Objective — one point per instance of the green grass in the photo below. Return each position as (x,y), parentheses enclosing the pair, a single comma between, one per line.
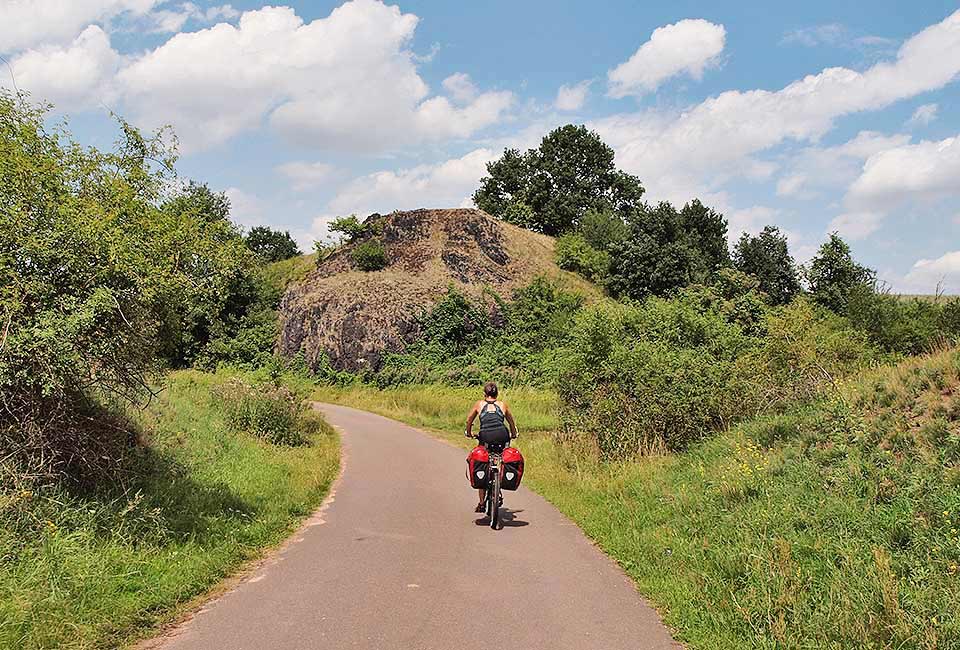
(280,274)
(96,571)
(831,527)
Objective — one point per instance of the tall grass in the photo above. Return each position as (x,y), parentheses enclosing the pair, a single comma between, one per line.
(831,526)
(444,408)
(93,570)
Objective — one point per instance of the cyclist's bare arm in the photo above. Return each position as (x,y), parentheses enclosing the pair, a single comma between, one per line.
(470,418)
(509,416)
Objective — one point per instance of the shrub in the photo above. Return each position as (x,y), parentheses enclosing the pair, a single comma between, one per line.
(271,412)
(370,255)
(99,280)
(573,253)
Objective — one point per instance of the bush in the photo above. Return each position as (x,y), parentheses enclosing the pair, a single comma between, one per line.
(907,326)
(573,253)
(370,255)
(274,413)
(99,279)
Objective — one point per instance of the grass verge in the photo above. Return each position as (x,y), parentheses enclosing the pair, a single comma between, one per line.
(100,570)
(831,527)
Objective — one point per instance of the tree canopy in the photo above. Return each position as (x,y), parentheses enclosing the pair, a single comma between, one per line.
(550,188)
(271,245)
(833,274)
(766,256)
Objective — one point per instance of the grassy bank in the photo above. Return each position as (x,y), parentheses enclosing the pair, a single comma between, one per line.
(96,570)
(832,527)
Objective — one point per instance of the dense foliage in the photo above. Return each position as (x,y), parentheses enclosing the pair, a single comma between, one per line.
(766,257)
(833,274)
(549,189)
(271,245)
(101,276)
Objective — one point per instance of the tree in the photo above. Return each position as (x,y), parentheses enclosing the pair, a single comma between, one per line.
(668,249)
(833,274)
(602,228)
(767,257)
(549,189)
(95,280)
(271,245)
(350,228)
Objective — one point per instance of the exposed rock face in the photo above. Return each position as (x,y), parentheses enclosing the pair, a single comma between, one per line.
(355,317)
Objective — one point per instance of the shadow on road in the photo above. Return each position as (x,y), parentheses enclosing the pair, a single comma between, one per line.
(507,519)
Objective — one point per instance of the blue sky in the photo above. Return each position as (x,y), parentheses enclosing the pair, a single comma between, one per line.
(813,116)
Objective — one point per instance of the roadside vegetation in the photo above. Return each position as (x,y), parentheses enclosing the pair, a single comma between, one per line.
(126,491)
(769,449)
(226,467)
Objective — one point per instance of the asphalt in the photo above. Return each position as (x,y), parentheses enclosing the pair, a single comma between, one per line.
(397,559)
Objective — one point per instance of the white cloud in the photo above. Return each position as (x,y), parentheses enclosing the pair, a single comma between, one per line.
(925,172)
(817,168)
(79,74)
(447,184)
(690,151)
(827,34)
(687,47)
(30,22)
(572,98)
(927,275)
(923,115)
(835,35)
(346,81)
(855,225)
(173,20)
(461,88)
(246,209)
(306,175)
(906,174)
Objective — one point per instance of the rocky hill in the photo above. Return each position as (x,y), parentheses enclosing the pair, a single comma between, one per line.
(354,317)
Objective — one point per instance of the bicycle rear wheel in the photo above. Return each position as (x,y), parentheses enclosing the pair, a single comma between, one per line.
(494,496)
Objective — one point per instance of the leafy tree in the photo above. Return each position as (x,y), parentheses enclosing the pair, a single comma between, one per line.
(95,281)
(603,228)
(199,201)
(350,228)
(767,258)
(667,250)
(833,275)
(573,253)
(550,188)
(271,245)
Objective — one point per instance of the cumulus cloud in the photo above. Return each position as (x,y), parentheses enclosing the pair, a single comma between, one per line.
(572,98)
(927,275)
(685,152)
(346,81)
(246,209)
(923,115)
(30,22)
(444,184)
(306,175)
(925,171)
(173,20)
(817,168)
(79,74)
(686,47)
(919,173)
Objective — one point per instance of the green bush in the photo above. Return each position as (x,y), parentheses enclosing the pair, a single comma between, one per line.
(100,280)
(370,255)
(274,413)
(573,253)
(646,378)
(908,326)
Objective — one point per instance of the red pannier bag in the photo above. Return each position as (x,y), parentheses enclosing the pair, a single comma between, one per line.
(512,469)
(478,464)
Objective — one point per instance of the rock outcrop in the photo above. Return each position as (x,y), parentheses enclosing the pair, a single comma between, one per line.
(354,317)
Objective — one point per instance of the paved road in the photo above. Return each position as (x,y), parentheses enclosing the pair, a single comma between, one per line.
(399,560)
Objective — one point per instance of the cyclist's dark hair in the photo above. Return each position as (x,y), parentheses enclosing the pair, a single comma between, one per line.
(490,390)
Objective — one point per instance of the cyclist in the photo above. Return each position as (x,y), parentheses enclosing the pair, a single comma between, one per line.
(494,417)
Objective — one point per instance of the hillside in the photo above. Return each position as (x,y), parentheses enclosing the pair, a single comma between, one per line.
(353,317)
